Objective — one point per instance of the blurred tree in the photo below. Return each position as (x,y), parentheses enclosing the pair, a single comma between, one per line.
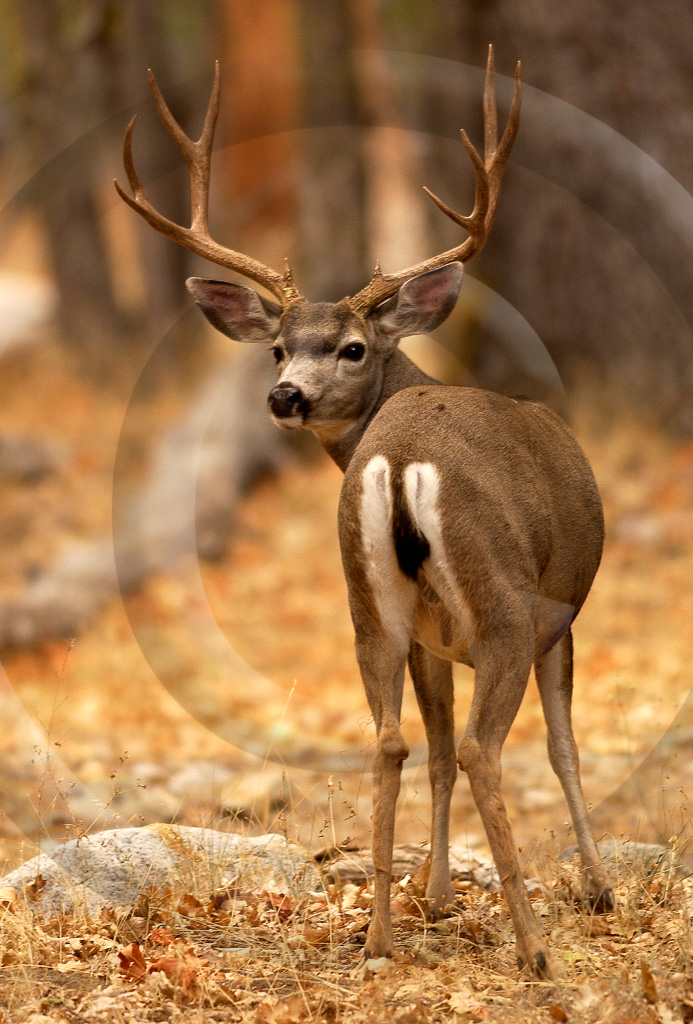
(332,182)
(78,62)
(586,246)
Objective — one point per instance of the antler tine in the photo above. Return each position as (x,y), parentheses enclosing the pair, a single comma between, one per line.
(197,155)
(475,222)
(488,173)
(506,143)
(196,238)
(490,110)
(502,153)
(129,164)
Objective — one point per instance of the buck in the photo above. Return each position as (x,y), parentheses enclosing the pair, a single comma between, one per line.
(470,524)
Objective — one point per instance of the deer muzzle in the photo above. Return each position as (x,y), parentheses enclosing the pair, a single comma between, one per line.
(286,400)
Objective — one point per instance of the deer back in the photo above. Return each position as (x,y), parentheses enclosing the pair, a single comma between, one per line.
(499,486)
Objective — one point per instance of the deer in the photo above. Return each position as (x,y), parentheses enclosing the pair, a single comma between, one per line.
(470,523)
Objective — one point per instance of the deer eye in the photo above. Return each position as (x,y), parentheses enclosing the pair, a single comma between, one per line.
(278,353)
(353,352)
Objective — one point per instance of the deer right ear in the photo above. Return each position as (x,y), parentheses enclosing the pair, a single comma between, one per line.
(422,303)
(235,310)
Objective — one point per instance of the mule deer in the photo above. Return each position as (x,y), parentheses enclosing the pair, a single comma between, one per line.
(470,523)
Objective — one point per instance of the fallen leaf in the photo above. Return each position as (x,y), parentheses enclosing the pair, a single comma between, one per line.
(181,970)
(282,903)
(649,989)
(315,934)
(32,889)
(68,965)
(132,964)
(273,1011)
(9,899)
(415,1013)
(161,936)
(190,906)
(466,1006)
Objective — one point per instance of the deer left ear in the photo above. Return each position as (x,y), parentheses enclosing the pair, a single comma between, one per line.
(235,310)
(422,303)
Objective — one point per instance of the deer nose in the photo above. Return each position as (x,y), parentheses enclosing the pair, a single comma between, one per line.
(284,400)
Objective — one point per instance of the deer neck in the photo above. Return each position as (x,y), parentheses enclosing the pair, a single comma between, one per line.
(399,373)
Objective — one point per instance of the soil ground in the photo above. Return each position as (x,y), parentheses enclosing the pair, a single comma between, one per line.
(253,716)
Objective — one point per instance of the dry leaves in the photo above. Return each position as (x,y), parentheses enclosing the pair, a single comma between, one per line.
(182,967)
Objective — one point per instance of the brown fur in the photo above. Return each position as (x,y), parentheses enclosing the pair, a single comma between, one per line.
(523,531)
(519,539)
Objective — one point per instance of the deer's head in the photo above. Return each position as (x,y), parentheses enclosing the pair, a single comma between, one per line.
(330,356)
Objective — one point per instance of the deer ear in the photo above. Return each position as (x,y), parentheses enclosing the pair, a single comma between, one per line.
(235,310)
(422,303)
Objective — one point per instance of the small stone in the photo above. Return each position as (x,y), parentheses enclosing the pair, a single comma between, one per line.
(255,795)
(200,782)
(378,964)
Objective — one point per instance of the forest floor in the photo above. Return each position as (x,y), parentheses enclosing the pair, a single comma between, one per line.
(234,701)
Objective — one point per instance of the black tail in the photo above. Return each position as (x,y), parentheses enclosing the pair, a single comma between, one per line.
(411,547)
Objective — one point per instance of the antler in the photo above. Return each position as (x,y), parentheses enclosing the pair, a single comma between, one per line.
(197,156)
(489,174)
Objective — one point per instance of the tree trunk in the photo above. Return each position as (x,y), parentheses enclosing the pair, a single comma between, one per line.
(332,183)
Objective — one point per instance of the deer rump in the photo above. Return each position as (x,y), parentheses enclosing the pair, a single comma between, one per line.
(483,515)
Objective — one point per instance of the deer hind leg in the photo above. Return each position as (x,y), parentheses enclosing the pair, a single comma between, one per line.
(434,692)
(382,668)
(382,601)
(554,672)
(502,670)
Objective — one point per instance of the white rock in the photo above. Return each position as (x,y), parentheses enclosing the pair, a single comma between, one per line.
(112,868)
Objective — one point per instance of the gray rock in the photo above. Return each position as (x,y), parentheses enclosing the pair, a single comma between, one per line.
(112,868)
(640,857)
(476,868)
(407,858)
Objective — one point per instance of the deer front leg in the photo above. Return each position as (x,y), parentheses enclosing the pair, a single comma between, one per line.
(382,671)
(434,692)
(554,672)
(502,671)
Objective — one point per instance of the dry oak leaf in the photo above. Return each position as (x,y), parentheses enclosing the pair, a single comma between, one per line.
(181,970)
(133,966)
(273,1011)
(316,934)
(9,900)
(190,906)
(649,989)
(161,936)
(32,889)
(282,903)
(466,1006)
(557,1012)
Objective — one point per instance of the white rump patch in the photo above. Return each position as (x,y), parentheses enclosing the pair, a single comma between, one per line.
(421,482)
(421,486)
(394,594)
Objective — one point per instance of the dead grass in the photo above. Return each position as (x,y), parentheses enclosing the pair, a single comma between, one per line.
(265,957)
(98,708)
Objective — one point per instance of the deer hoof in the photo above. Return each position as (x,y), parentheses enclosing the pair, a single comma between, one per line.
(440,904)
(378,942)
(601,902)
(536,960)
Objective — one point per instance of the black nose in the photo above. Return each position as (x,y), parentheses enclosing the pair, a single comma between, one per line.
(284,400)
